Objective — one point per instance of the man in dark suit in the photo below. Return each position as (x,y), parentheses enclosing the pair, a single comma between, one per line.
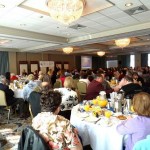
(11,101)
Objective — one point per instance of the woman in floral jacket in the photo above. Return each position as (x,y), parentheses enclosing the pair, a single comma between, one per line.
(69,97)
(55,129)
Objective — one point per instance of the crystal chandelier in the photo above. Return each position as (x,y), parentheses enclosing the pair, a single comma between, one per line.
(65,11)
(101,53)
(122,42)
(68,50)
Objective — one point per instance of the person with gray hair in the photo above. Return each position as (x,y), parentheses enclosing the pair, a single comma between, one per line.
(29,87)
(11,101)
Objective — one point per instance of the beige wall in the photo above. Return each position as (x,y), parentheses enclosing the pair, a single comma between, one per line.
(137,59)
(16,57)
(63,58)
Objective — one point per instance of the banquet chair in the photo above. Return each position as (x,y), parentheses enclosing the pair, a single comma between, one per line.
(57,84)
(4,105)
(75,82)
(30,111)
(31,140)
(82,89)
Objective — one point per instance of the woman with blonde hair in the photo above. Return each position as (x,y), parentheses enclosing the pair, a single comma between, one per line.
(139,127)
(69,97)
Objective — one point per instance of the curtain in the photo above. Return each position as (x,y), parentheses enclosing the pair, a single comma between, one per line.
(144,59)
(4,63)
(124,60)
(98,62)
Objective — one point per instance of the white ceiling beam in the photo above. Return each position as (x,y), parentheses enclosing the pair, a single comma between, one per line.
(31,35)
(9,49)
(40,48)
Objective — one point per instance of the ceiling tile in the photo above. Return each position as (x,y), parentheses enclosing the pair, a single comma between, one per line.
(118,15)
(89,23)
(100,27)
(111,10)
(93,16)
(127,20)
(145,2)
(143,16)
(112,24)
(103,19)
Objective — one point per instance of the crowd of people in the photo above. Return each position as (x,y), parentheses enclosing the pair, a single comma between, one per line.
(51,107)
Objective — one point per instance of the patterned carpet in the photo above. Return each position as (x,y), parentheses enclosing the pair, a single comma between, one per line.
(10,133)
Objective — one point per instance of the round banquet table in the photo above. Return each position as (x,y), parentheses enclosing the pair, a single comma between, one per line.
(98,137)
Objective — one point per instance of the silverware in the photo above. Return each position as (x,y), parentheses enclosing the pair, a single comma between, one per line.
(97,120)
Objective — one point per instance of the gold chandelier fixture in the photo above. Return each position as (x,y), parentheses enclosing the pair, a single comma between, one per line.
(101,53)
(65,11)
(122,42)
(68,50)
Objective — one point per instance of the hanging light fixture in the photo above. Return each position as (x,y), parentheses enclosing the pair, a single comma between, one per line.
(68,50)
(101,53)
(65,11)
(122,42)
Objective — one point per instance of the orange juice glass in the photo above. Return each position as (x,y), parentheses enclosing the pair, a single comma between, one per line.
(107,114)
(94,101)
(86,107)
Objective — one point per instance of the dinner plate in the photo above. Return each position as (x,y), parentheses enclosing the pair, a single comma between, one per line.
(91,119)
(84,115)
(105,123)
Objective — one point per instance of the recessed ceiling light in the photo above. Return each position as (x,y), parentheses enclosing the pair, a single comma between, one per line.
(2,6)
(128,4)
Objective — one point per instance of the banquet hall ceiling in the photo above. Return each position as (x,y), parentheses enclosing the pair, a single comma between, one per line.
(29,28)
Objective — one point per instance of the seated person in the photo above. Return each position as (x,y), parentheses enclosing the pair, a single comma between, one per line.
(69,97)
(128,87)
(143,144)
(137,79)
(7,75)
(34,98)
(139,127)
(24,73)
(95,87)
(84,78)
(11,101)
(56,130)
(28,88)
(13,77)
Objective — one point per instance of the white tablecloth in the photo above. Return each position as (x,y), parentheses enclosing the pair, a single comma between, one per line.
(18,93)
(100,138)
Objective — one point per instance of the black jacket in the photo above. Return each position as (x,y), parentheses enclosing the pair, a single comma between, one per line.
(131,89)
(31,140)
(9,94)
